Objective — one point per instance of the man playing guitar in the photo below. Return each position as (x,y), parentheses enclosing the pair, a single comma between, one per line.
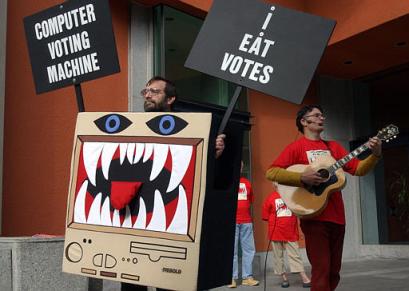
(324,234)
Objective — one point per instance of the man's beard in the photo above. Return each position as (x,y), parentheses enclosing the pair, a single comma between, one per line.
(150,106)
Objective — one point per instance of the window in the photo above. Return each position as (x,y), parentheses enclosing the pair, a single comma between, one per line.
(174,33)
(382,100)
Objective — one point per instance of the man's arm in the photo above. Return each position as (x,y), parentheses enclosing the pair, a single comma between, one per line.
(284,177)
(364,166)
(295,179)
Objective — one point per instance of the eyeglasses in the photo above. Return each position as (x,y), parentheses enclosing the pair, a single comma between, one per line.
(316,115)
(153,91)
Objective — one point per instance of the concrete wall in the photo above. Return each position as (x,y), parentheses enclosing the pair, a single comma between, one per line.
(141,54)
(6,270)
(33,264)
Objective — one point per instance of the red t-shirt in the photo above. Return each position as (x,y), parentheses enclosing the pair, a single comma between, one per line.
(304,151)
(244,200)
(282,223)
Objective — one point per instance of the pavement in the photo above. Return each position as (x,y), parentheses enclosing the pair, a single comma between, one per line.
(364,275)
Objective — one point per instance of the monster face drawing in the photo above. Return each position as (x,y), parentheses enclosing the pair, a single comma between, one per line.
(140,209)
(138,173)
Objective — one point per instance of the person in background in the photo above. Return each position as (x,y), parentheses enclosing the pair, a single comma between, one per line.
(244,235)
(283,234)
(159,95)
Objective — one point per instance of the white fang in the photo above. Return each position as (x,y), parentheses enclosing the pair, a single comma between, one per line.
(148,152)
(130,152)
(138,152)
(122,152)
(158,220)
(106,157)
(116,221)
(91,153)
(141,219)
(180,219)
(127,221)
(159,159)
(181,155)
(105,213)
(79,208)
(94,216)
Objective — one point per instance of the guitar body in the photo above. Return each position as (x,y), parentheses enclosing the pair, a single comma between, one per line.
(307,203)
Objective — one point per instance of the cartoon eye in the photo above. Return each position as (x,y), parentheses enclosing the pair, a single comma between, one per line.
(166,124)
(112,123)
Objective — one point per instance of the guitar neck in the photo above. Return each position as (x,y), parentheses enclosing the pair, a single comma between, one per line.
(340,163)
(387,133)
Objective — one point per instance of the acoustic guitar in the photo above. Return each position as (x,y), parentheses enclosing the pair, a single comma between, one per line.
(310,201)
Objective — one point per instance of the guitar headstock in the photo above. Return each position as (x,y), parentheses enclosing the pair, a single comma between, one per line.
(388,133)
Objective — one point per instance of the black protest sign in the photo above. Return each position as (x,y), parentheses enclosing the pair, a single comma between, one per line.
(261,46)
(71,43)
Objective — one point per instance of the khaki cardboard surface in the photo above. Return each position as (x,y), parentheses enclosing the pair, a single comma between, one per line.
(155,239)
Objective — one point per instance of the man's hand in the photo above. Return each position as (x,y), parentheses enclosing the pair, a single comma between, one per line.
(220,145)
(375,144)
(311,177)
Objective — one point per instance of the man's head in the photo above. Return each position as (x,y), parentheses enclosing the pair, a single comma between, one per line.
(159,95)
(310,116)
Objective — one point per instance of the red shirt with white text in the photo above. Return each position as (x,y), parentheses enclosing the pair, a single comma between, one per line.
(282,223)
(244,200)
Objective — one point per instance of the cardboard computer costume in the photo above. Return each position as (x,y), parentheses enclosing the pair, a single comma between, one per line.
(143,204)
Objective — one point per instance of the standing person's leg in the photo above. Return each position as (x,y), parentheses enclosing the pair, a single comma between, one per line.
(337,245)
(235,258)
(236,252)
(248,250)
(278,261)
(294,259)
(278,257)
(317,241)
(296,263)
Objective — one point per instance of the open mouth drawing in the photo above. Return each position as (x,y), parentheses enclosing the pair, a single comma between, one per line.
(139,185)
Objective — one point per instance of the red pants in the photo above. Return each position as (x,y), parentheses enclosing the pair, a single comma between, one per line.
(324,242)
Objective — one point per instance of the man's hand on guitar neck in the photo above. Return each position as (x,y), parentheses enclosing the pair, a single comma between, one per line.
(312,178)
(375,145)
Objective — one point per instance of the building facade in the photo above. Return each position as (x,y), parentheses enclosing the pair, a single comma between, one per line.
(360,83)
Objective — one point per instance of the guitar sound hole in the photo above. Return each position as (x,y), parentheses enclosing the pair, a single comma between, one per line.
(324,173)
(320,189)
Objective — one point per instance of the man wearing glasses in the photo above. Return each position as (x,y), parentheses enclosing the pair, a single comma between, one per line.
(159,96)
(324,234)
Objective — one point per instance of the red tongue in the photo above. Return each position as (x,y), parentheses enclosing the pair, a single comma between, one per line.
(123,192)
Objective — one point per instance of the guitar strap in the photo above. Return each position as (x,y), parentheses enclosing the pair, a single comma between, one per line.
(327,144)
